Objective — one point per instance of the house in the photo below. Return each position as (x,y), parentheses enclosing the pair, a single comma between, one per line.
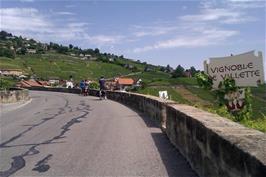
(128,66)
(18,49)
(28,84)
(81,55)
(111,84)
(32,51)
(88,56)
(124,83)
(11,72)
(22,77)
(44,83)
(10,37)
(187,73)
(53,81)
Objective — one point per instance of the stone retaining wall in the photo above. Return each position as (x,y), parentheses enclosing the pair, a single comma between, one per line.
(14,95)
(56,89)
(214,146)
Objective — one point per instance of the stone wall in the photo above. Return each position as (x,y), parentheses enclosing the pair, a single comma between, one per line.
(214,146)
(14,95)
(56,89)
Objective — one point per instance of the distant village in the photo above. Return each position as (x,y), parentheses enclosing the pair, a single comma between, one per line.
(117,83)
(11,45)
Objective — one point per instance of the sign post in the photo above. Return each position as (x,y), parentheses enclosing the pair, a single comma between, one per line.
(246,69)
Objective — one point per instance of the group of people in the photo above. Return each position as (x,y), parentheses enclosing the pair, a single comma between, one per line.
(85,85)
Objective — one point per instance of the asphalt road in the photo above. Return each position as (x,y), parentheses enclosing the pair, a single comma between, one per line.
(60,134)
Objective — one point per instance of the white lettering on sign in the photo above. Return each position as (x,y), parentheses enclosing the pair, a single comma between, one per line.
(246,69)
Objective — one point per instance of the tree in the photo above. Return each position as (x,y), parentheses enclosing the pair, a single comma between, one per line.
(7,53)
(70,46)
(162,68)
(20,41)
(168,68)
(96,51)
(193,71)
(179,72)
(4,34)
(62,49)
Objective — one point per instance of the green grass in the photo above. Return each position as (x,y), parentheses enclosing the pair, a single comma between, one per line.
(8,63)
(259,108)
(62,66)
(140,66)
(152,76)
(259,92)
(7,82)
(258,124)
(171,93)
(201,93)
(258,118)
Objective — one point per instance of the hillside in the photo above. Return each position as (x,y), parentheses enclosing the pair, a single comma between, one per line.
(45,66)
(53,63)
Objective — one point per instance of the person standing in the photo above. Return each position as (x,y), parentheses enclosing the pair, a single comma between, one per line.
(86,88)
(82,87)
(102,93)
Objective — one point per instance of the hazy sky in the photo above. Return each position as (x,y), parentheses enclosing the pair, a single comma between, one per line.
(158,32)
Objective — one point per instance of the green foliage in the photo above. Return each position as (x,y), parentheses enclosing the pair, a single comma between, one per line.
(225,87)
(22,51)
(179,72)
(4,52)
(94,85)
(204,80)
(172,93)
(6,82)
(193,71)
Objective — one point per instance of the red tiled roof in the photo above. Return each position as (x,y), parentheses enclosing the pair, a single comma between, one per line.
(23,84)
(43,83)
(125,81)
(30,84)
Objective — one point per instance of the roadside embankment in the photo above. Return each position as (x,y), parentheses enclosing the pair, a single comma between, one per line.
(14,95)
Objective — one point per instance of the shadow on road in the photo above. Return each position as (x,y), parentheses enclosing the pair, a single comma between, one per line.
(174,162)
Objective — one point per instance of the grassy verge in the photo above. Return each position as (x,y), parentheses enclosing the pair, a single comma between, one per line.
(257,121)
(7,82)
(171,93)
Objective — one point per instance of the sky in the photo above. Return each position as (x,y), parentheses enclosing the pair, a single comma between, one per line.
(184,32)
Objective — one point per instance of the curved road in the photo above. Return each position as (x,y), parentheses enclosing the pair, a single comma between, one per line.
(60,134)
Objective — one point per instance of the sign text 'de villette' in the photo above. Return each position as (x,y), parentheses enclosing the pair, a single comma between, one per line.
(246,69)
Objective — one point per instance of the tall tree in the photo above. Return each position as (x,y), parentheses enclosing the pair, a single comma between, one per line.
(96,51)
(179,72)
(193,71)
